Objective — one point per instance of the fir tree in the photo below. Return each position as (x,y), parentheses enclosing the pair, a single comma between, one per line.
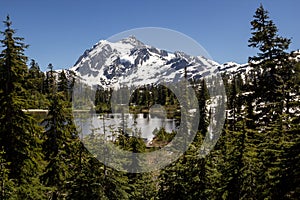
(49,83)
(36,76)
(86,181)
(60,138)
(35,87)
(273,95)
(63,85)
(60,135)
(268,63)
(19,134)
(265,38)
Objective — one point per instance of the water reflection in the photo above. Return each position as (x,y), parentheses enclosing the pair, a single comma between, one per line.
(109,124)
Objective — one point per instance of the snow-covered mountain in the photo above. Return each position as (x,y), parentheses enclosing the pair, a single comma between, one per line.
(130,62)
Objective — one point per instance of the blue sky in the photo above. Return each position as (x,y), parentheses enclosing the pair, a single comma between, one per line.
(59,31)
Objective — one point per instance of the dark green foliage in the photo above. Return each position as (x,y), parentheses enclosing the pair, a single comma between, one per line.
(59,139)
(185,178)
(202,96)
(275,96)
(87,179)
(162,136)
(36,76)
(19,134)
(102,100)
(141,99)
(49,82)
(6,184)
(63,84)
(60,136)
(265,38)
(257,152)
(35,87)
(271,62)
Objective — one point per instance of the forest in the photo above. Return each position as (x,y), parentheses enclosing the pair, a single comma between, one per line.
(256,157)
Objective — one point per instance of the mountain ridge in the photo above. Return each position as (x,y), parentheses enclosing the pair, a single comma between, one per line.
(130,61)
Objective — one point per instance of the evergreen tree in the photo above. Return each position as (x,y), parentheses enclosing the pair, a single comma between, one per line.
(49,83)
(63,85)
(268,63)
(265,38)
(36,76)
(36,86)
(86,181)
(19,134)
(60,135)
(289,182)
(102,181)
(203,96)
(186,178)
(273,96)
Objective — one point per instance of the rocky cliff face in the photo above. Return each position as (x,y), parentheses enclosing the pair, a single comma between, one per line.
(131,62)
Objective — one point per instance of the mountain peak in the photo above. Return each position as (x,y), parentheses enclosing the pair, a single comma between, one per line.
(131,62)
(132,40)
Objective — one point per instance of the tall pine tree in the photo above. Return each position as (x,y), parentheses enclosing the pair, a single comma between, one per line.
(19,134)
(273,96)
(58,146)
